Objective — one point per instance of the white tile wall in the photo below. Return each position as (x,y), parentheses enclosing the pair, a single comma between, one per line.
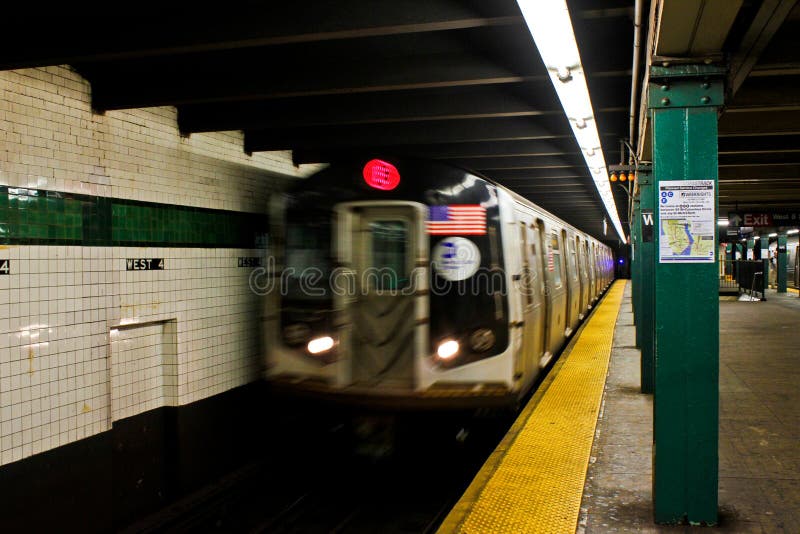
(144,368)
(56,361)
(60,303)
(54,141)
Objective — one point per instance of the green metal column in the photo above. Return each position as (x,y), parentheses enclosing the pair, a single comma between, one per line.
(645,328)
(764,244)
(684,101)
(751,243)
(636,268)
(782,263)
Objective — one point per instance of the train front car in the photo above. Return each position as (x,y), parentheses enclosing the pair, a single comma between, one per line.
(392,289)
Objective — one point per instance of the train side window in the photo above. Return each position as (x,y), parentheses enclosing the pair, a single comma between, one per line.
(586,267)
(389,254)
(555,252)
(573,262)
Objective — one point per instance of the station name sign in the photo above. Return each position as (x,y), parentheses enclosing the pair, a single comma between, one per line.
(249,262)
(763,219)
(144,264)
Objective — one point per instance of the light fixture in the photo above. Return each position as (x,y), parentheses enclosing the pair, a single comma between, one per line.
(722,222)
(551,28)
(790,232)
(756,237)
(623,177)
(447,349)
(320,344)
(613,177)
(773,234)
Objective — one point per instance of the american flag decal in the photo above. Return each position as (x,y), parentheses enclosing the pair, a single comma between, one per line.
(464,219)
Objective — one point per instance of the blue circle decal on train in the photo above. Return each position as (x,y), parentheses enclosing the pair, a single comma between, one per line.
(456,258)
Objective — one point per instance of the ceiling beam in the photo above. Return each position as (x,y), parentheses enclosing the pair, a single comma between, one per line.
(235,26)
(759,91)
(354,136)
(383,107)
(523,162)
(765,144)
(765,24)
(763,123)
(759,172)
(770,158)
(147,85)
(447,151)
(540,174)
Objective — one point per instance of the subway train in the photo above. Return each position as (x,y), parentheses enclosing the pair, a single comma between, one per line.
(409,283)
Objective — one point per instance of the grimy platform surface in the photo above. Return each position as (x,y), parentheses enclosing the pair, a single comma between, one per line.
(759,441)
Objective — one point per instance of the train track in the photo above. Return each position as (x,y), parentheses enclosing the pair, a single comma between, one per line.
(316,485)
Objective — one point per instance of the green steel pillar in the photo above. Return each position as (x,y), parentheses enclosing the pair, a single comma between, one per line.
(782,263)
(636,268)
(684,102)
(645,328)
(751,243)
(764,244)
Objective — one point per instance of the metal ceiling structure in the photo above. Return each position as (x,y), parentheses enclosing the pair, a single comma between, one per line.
(759,128)
(454,80)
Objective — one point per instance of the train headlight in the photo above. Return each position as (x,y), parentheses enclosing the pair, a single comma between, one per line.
(318,345)
(481,340)
(447,349)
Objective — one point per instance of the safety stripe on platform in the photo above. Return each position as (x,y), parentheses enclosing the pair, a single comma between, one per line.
(535,483)
(791,290)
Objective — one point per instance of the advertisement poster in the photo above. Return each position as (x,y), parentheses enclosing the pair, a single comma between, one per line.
(687,221)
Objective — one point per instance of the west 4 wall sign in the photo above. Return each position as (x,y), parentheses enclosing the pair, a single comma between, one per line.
(687,221)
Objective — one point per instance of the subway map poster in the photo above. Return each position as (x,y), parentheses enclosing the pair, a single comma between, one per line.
(687,222)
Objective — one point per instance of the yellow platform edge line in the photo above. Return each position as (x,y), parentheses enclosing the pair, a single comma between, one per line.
(533,481)
(792,290)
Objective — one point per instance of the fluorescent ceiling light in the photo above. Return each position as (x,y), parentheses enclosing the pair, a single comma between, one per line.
(722,222)
(773,235)
(551,28)
(793,231)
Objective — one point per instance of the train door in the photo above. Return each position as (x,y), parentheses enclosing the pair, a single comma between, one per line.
(536,330)
(384,249)
(592,274)
(523,365)
(531,303)
(584,275)
(573,283)
(555,289)
(598,269)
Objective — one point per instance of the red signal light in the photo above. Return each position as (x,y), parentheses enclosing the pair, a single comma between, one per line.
(381,175)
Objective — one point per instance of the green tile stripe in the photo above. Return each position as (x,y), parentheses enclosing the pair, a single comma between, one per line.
(31,216)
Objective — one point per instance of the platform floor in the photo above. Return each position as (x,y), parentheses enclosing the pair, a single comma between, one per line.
(759,440)
(759,454)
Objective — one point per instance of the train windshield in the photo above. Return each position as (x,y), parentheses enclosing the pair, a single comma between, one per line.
(389,256)
(307,262)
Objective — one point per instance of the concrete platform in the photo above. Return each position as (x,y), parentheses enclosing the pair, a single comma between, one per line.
(759,454)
